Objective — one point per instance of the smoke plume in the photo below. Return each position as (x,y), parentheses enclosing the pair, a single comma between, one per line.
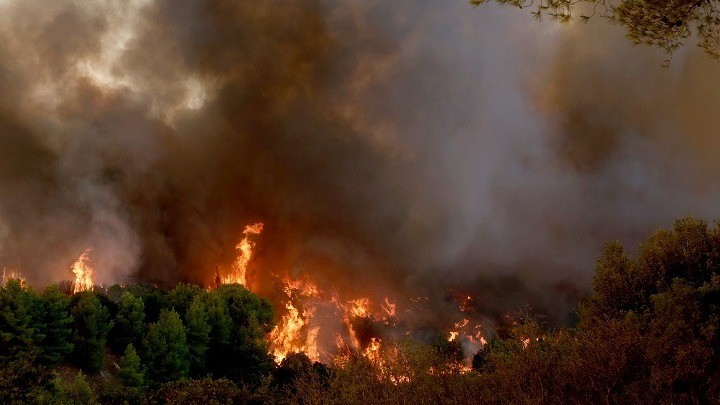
(404,148)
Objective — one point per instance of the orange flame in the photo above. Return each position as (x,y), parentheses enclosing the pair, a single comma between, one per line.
(298,330)
(12,275)
(293,334)
(238,272)
(83,272)
(389,307)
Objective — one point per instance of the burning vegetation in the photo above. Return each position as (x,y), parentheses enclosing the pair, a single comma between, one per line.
(646,333)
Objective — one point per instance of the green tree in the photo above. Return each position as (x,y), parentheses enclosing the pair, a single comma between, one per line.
(665,24)
(220,329)
(182,296)
(20,368)
(78,392)
(91,326)
(166,349)
(247,356)
(55,326)
(131,370)
(198,335)
(129,323)
(155,301)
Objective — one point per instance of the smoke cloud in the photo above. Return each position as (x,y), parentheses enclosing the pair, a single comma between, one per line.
(404,148)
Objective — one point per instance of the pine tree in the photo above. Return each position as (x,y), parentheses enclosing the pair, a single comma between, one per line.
(129,324)
(56,326)
(182,296)
(220,329)
(166,349)
(92,323)
(79,391)
(198,334)
(131,370)
(20,368)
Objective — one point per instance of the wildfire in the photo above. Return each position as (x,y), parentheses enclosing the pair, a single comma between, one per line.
(293,334)
(12,275)
(286,336)
(238,272)
(389,308)
(298,329)
(83,272)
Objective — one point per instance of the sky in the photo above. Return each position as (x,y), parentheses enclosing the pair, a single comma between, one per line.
(402,148)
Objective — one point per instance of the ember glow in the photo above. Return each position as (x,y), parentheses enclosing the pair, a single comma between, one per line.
(83,273)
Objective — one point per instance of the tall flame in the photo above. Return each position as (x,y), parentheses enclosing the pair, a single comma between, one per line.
(83,272)
(293,334)
(238,272)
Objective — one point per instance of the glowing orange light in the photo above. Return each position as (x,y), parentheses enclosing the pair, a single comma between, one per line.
(238,272)
(83,272)
(12,275)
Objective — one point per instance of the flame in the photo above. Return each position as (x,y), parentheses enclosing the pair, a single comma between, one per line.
(238,272)
(372,353)
(293,333)
(286,339)
(389,307)
(298,330)
(83,272)
(12,275)
(360,307)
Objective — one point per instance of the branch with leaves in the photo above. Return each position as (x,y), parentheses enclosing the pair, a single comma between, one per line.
(661,23)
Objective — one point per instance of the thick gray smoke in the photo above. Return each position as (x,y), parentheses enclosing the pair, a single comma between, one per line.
(406,147)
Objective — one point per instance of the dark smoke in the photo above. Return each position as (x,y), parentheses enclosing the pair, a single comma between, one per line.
(403,148)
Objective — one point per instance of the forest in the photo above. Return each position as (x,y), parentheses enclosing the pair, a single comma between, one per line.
(648,332)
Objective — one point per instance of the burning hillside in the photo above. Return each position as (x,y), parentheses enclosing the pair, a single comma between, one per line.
(364,164)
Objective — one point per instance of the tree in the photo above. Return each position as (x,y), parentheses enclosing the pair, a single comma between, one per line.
(78,392)
(182,296)
(247,356)
(131,370)
(55,326)
(198,335)
(665,24)
(20,368)
(129,323)
(166,349)
(220,328)
(91,326)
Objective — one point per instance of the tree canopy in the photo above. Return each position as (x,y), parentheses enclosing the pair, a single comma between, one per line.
(662,23)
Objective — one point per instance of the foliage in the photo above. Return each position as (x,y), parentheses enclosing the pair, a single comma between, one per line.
(131,370)
(78,392)
(91,326)
(665,24)
(647,333)
(55,324)
(166,349)
(246,357)
(180,297)
(129,323)
(198,335)
(204,391)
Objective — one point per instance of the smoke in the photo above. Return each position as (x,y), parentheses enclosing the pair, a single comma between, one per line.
(404,148)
